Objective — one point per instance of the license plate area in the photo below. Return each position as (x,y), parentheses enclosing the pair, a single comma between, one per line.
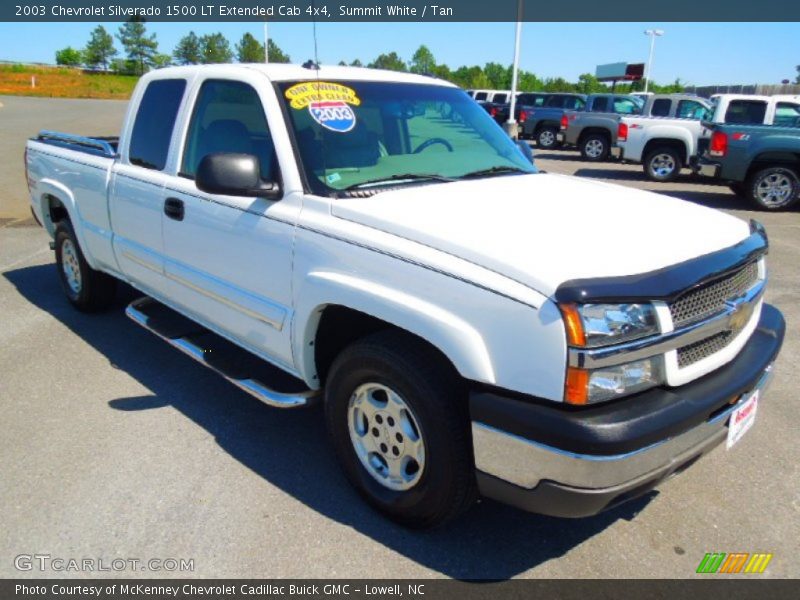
(742,418)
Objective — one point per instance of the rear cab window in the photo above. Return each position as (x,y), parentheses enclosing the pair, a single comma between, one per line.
(600,104)
(500,98)
(661,107)
(746,112)
(154,123)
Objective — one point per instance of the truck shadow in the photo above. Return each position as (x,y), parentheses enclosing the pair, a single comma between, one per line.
(492,542)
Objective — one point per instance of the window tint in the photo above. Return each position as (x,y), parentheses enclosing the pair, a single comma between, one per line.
(691,109)
(500,98)
(600,104)
(661,107)
(228,117)
(555,102)
(787,114)
(531,99)
(746,112)
(627,106)
(481,96)
(154,123)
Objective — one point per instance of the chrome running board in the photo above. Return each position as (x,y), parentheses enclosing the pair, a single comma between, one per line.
(257,377)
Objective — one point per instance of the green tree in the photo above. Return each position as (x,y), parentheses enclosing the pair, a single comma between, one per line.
(215,48)
(276,55)
(356,63)
(589,84)
(390,62)
(100,49)
(69,57)
(187,52)
(161,60)
(529,82)
(499,76)
(139,47)
(422,61)
(249,49)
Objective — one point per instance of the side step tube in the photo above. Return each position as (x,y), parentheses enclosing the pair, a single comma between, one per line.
(243,369)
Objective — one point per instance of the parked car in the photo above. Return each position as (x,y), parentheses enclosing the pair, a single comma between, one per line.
(743,109)
(759,162)
(541,123)
(525,102)
(593,130)
(322,234)
(665,137)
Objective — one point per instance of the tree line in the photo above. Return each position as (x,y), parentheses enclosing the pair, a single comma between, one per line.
(140,51)
(141,54)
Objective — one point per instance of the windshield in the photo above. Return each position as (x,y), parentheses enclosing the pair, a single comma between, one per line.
(360,134)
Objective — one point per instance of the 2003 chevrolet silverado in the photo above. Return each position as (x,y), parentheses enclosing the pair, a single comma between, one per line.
(472,326)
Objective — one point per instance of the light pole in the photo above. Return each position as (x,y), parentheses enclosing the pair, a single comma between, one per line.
(653,33)
(266,42)
(511,125)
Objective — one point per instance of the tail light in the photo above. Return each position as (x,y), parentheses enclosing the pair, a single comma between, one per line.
(564,122)
(493,111)
(622,132)
(523,116)
(719,144)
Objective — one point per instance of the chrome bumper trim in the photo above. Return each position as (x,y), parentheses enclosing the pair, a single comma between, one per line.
(525,462)
(727,320)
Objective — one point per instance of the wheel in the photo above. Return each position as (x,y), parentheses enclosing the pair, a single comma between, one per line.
(546,138)
(397,416)
(663,164)
(595,147)
(88,290)
(773,188)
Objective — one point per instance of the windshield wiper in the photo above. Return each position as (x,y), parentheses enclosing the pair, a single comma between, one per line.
(493,171)
(400,177)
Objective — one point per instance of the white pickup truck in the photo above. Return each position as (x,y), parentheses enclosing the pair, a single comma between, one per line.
(667,139)
(471,325)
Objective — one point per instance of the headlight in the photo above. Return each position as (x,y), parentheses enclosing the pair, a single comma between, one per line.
(598,385)
(591,325)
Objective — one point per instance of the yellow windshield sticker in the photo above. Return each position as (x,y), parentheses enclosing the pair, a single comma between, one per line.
(301,95)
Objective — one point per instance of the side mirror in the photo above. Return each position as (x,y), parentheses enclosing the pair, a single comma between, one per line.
(233,175)
(526,150)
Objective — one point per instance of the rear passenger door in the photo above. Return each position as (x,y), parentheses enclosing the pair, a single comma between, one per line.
(135,201)
(228,258)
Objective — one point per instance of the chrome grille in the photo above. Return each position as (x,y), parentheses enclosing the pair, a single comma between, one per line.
(699,350)
(710,299)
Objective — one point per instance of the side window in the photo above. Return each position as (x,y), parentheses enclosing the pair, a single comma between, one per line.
(691,109)
(154,122)
(577,103)
(500,98)
(746,112)
(661,107)
(600,104)
(787,114)
(228,117)
(479,96)
(555,102)
(626,106)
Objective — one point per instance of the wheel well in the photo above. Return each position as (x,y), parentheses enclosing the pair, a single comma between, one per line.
(340,326)
(594,130)
(676,144)
(56,211)
(775,159)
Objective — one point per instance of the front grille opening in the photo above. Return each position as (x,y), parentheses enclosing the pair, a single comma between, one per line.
(710,299)
(688,355)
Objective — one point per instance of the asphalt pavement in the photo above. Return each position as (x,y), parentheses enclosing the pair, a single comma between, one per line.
(117,446)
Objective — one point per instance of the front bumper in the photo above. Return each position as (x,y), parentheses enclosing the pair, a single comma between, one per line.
(574,462)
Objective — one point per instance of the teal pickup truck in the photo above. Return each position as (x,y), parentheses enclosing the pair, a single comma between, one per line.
(759,162)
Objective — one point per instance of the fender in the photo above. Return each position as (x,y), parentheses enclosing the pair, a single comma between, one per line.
(671,134)
(458,340)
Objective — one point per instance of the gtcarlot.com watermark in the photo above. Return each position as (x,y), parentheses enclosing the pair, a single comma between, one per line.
(58,564)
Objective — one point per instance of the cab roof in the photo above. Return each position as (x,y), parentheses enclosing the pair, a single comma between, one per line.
(292,72)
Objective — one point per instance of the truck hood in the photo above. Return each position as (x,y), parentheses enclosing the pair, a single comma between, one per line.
(545,229)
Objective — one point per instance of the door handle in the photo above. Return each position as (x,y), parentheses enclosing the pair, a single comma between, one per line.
(173,208)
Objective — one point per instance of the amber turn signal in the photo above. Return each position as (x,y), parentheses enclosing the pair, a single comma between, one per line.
(576,388)
(574,324)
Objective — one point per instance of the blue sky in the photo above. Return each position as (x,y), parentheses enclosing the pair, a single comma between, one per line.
(698,53)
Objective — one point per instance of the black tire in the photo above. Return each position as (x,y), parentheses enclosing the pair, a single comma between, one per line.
(595,147)
(757,184)
(663,164)
(436,395)
(546,138)
(91,290)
